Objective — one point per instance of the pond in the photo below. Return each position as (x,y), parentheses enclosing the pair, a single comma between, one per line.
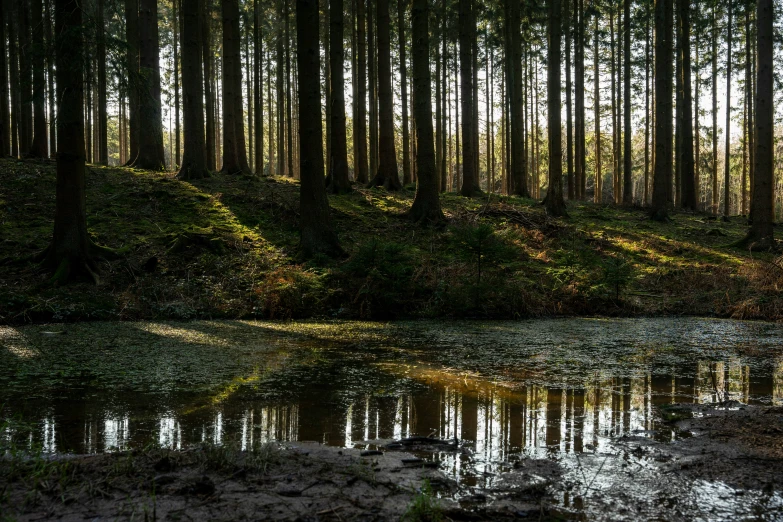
(570,390)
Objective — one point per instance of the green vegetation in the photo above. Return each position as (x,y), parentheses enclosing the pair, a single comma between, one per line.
(226,247)
(424,507)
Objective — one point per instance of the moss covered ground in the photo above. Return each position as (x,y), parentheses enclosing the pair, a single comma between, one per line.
(226,247)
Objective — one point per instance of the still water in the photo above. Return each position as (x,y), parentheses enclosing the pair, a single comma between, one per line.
(553,389)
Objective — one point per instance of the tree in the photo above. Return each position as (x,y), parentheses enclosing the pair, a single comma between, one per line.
(518,166)
(234,155)
(5,115)
(387,175)
(103,119)
(762,208)
(467,37)
(406,153)
(727,131)
(150,155)
(554,195)
(71,254)
(317,234)
(132,68)
(360,125)
(662,178)
(627,171)
(338,169)
(426,204)
(685,165)
(40,145)
(194,159)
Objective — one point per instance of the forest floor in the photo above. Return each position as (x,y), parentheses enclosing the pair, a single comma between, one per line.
(226,247)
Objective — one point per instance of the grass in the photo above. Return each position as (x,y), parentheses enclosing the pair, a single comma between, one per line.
(424,507)
(225,247)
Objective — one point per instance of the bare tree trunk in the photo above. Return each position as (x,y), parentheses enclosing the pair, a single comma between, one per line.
(518,167)
(646,198)
(373,87)
(406,153)
(50,80)
(280,95)
(598,196)
(25,79)
(554,194)
(292,169)
(715,199)
(627,172)
(13,67)
(317,232)
(688,198)
(234,152)
(386,175)
(360,125)
(727,131)
(761,233)
(340,183)
(467,29)
(569,108)
(150,155)
(258,83)
(5,115)
(209,93)
(194,164)
(580,147)
(662,182)
(177,133)
(426,204)
(40,145)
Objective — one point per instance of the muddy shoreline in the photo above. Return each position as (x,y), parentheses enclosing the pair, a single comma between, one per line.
(731,452)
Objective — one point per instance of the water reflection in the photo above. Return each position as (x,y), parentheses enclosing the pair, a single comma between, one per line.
(494,421)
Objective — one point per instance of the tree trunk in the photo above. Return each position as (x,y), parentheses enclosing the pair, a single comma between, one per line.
(749,98)
(132,57)
(234,155)
(279,91)
(176,64)
(688,199)
(209,94)
(360,125)
(40,145)
(406,153)
(426,204)
(13,67)
(387,175)
(518,166)
(715,200)
(70,255)
(554,194)
(760,236)
(696,130)
(445,143)
(340,182)
(288,114)
(627,172)
(598,196)
(615,118)
(580,147)
(569,108)
(467,35)
(25,79)
(194,159)
(258,83)
(727,131)
(317,233)
(373,85)
(150,155)
(50,80)
(662,182)
(646,196)
(5,115)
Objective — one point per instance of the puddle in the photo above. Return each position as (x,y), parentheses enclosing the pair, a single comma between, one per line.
(583,394)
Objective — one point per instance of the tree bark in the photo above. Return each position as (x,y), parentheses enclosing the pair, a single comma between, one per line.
(688,199)
(50,79)
(426,204)
(598,196)
(340,182)
(194,159)
(554,194)
(13,67)
(727,130)
(317,233)
(209,94)
(176,64)
(360,125)
(569,108)
(132,57)
(258,83)
(25,79)
(150,154)
(467,35)
(406,153)
(715,199)
(580,146)
(234,153)
(5,115)
(662,182)
(40,145)
(762,208)
(627,170)
(518,165)
(387,175)
(70,255)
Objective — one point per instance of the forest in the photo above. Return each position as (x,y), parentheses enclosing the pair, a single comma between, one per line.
(417,260)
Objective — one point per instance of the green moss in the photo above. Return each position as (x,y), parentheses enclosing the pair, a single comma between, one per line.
(246,266)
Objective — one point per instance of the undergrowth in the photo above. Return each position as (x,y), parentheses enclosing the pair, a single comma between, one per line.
(225,247)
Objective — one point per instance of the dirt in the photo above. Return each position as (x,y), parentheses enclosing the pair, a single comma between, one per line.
(299,481)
